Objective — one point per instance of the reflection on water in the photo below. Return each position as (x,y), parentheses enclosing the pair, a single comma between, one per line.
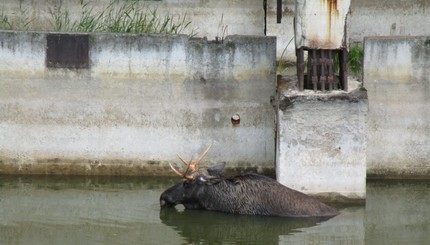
(95,210)
(398,212)
(198,226)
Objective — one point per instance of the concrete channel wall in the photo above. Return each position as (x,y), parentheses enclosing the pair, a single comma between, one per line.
(212,18)
(397,77)
(142,100)
(321,144)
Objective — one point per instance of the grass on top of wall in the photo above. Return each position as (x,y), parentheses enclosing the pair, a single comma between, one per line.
(127,17)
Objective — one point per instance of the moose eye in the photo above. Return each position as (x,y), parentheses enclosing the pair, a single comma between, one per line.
(202,179)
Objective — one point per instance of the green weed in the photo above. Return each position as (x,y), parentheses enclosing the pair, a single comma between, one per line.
(282,62)
(129,17)
(355,58)
(222,30)
(60,18)
(4,22)
(22,19)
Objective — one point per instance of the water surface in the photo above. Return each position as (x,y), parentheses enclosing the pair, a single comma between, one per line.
(102,210)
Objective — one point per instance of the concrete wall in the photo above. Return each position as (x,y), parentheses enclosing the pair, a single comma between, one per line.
(322,142)
(247,17)
(321,24)
(396,75)
(367,18)
(144,99)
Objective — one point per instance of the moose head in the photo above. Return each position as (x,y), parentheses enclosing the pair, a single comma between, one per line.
(252,194)
(194,181)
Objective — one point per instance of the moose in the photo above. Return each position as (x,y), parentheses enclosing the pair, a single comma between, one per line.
(250,194)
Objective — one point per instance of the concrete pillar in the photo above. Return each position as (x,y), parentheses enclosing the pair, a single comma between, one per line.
(321,24)
(321,142)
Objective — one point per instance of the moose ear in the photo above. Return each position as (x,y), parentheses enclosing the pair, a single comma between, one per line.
(216,170)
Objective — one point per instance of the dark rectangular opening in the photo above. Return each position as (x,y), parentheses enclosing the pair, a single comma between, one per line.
(67,50)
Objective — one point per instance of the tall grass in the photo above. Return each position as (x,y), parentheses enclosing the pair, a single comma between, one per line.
(60,19)
(128,17)
(4,21)
(222,30)
(281,64)
(22,19)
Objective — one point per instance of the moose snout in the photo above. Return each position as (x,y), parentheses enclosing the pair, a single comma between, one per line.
(165,201)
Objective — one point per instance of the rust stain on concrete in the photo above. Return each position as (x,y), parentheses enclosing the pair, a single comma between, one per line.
(332,12)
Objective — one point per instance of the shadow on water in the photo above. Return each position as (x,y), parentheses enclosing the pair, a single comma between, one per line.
(200,226)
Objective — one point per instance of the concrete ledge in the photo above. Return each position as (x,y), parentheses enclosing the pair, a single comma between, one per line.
(106,167)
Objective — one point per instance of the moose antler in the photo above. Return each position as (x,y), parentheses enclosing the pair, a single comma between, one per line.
(190,165)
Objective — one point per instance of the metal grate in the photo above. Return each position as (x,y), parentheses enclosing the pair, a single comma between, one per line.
(322,72)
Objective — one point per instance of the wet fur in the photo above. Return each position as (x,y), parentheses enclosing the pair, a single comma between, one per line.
(251,194)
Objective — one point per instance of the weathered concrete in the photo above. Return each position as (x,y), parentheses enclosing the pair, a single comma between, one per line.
(367,18)
(321,24)
(321,142)
(388,17)
(396,74)
(143,100)
(246,17)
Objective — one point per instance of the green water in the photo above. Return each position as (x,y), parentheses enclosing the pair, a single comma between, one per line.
(79,210)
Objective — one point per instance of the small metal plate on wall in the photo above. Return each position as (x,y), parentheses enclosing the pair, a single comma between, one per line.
(67,50)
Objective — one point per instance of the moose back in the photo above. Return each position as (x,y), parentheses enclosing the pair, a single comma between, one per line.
(250,194)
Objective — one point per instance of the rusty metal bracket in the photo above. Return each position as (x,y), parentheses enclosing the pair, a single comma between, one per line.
(278,11)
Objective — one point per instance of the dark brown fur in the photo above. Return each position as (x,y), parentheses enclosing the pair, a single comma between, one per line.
(247,194)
